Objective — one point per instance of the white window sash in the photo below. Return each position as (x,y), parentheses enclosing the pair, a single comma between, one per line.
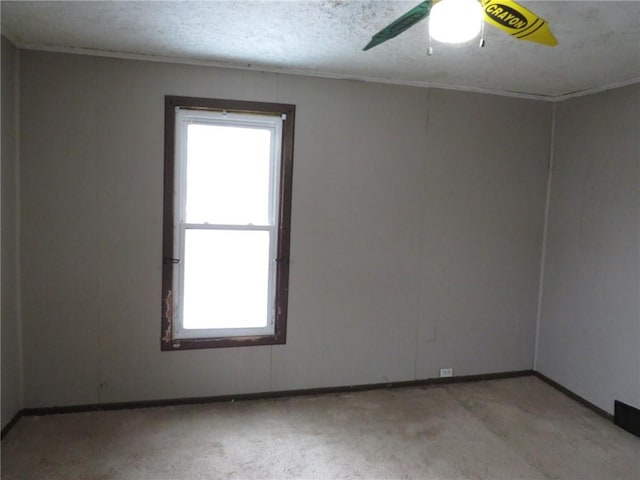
(184,117)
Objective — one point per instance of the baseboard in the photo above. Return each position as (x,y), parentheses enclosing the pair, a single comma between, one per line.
(627,417)
(11,424)
(574,396)
(269,395)
(327,390)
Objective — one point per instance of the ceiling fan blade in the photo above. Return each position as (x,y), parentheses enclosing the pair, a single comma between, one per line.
(406,21)
(517,21)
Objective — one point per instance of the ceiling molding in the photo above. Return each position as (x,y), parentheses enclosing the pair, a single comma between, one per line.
(11,37)
(593,91)
(268,69)
(310,73)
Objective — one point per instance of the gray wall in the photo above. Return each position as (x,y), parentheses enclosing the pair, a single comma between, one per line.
(416,232)
(590,318)
(11,374)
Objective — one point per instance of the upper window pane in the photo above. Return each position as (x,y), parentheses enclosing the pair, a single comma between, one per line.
(228,174)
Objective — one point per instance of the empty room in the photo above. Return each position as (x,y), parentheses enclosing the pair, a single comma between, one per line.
(320,240)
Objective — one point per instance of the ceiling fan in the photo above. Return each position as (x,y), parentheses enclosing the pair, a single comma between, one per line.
(507,15)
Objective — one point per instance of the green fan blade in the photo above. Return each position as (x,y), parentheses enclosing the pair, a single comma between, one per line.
(403,23)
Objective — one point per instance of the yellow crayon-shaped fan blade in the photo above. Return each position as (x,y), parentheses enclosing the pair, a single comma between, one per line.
(517,21)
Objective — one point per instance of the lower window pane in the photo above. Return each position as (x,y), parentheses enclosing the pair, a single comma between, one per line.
(226,279)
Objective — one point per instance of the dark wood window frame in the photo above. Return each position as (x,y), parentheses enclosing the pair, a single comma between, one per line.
(168,343)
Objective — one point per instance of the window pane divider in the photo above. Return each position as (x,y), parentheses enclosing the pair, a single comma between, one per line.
(215,226)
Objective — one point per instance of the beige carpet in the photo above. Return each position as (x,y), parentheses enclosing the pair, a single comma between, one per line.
(502,429)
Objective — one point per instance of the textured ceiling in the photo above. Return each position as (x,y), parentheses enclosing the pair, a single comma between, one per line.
(599,40)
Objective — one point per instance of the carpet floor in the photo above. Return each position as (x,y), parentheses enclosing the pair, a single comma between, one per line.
(518,428)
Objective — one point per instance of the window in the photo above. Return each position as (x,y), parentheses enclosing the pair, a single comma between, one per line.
(227,211)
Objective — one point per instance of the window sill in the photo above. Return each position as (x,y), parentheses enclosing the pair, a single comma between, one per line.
(221,342)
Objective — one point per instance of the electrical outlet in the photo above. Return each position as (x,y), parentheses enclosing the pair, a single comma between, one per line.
(446,372)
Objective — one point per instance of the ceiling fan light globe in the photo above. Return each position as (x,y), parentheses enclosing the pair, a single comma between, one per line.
(455,21)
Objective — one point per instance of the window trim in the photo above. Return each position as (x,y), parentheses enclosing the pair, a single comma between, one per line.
(168,342)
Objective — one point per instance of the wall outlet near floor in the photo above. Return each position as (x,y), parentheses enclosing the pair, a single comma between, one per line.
(446,372)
